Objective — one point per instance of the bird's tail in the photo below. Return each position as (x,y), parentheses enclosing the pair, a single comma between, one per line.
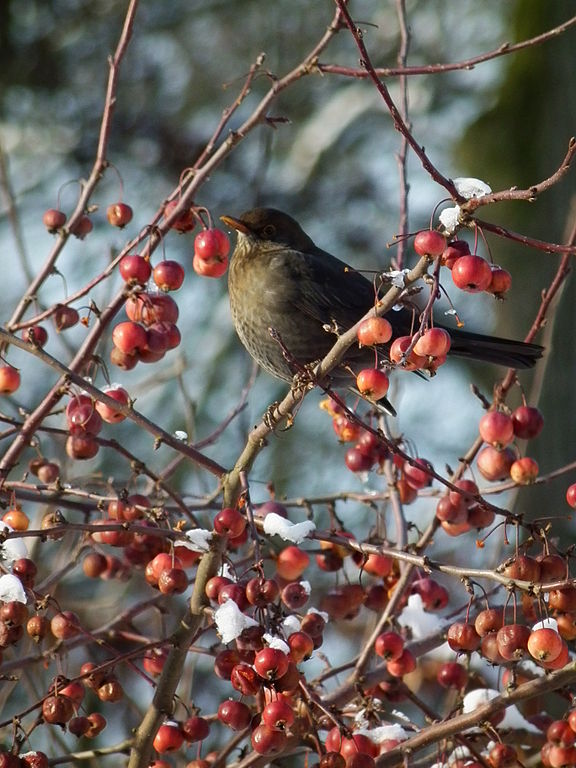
(491,349)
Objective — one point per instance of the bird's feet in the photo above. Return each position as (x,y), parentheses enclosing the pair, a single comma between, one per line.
(272,416)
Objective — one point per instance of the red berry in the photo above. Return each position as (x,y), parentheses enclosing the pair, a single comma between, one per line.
(119,214)
(245,679)
(434,596)
(65,625)
(82,446)
(173,581)
(262,592)
(560,732)
(94,565)
(502,755)
(448,512)
(236,592)
(462,636)
(195,729)
(545,644)
(107,412)
(82,227)
(489,620)
(347,431)
(301,646)
(562,599)
(129,337)
(453,251)
(36,335)
(493,464)
(82,416)
(169,738)
(372,383)
(560,661)
(54,220)
(135,269)
(452,675)
(168,275)
(271,663)
(235,714)
(9,379)
(154,660)
(417,473)
(496,428)
(229,522)
(37,627)
(524,471)
(266,741)
(65,317)
(149,308)
(211,244)
(295,595)
(428,242)
(389,645)
(552,568)
(225,662)
(278,714)
(378,565)
(397,352)
(571,495)
(527,422)
(57,709)
(523,568)
(292,562)
(403,665)
(358,461)
(374,330)
(435,342)
(500,283)
(184,221)
(210,267)
(97,724)
(332,760)
(471,273)
(512,640)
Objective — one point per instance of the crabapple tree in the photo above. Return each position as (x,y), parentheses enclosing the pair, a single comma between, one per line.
(163,603)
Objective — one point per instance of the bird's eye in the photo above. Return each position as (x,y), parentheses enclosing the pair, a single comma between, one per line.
(269,231)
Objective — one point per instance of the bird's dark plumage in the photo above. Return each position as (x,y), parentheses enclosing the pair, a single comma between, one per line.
(280,279)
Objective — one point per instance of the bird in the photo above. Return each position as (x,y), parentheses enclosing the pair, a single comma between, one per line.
(289,300)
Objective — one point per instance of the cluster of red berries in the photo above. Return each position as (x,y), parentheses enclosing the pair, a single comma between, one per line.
(171,735)
(149,332)
(118,215)
(422,351)
(462,509)
(211,246)
(498,428)
(211,249)
(368,451)
(32,759)
(85,418)
(163,568)
(560,747)
(470,272)
(427,350)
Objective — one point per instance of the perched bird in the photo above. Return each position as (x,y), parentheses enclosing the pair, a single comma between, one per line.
(278,278)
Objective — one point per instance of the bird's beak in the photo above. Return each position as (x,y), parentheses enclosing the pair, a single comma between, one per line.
(236,224)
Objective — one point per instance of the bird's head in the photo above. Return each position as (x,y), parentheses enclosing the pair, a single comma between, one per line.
(269,226)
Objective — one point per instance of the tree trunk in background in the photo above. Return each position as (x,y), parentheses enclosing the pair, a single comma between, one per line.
(527,132)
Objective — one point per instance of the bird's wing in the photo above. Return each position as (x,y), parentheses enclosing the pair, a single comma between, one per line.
(329,291)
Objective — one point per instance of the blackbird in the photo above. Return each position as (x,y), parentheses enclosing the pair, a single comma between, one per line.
(279,279)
